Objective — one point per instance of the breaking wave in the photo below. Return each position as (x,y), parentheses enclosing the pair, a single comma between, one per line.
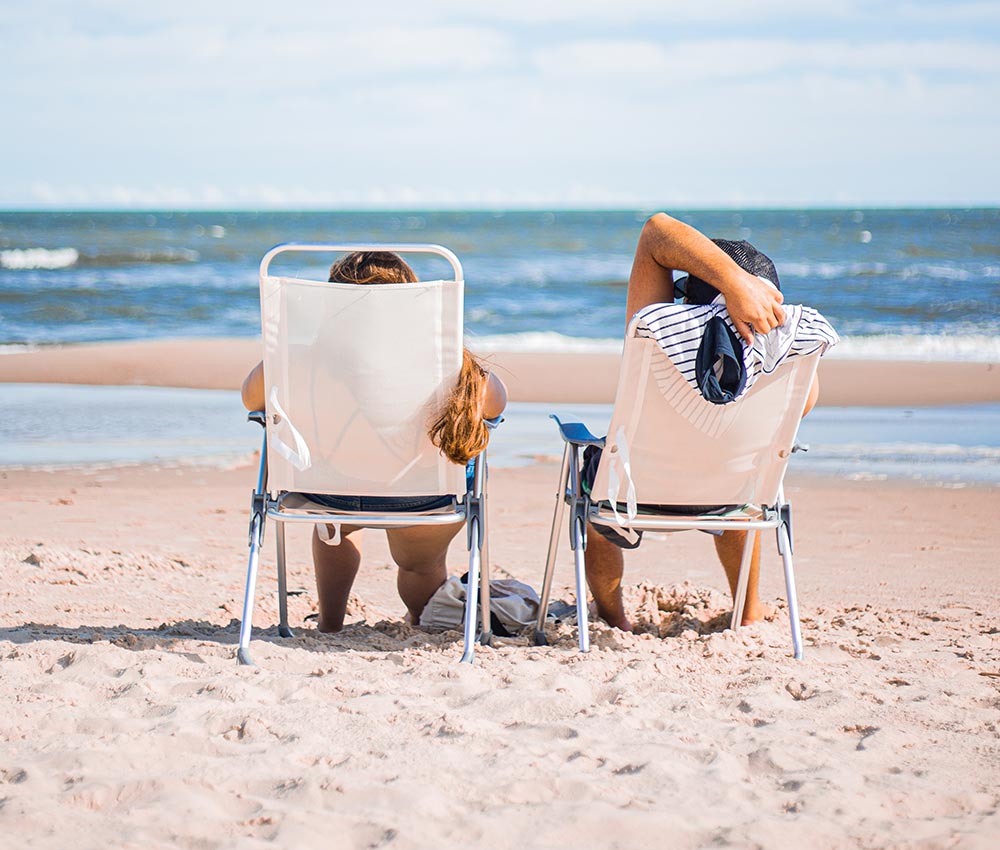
(18,259)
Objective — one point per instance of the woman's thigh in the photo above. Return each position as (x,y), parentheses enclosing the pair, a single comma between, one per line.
(421,547)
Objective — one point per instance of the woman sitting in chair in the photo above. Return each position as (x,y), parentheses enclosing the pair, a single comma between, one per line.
(459,431)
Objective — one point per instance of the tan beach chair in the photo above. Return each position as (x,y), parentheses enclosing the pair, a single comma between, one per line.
(667,445)
(352,374)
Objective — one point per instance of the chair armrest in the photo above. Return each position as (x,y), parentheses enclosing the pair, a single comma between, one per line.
(257,416)
(577,434)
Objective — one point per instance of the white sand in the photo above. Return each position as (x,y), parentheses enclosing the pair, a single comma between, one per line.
(128,724)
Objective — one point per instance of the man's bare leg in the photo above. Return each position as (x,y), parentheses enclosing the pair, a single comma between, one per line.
(604,567)
(336,568)
(729,546)
(420,553)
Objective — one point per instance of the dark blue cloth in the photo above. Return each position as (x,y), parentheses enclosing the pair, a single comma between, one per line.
(379,504)
(720,341)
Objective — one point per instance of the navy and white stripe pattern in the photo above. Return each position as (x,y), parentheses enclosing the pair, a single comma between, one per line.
(678,328)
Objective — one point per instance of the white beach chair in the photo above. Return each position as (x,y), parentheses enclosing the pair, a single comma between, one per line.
(352,375)
(667,445)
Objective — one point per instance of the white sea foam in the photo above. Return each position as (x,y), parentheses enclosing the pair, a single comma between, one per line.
(21,259)
(830,270)
(969,271)
(977,349)
(974,349)
(917,452)
(545,342)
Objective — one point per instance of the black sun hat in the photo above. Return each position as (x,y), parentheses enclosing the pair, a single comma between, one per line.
(747,258)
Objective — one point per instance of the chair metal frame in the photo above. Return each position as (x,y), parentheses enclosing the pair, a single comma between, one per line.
(777,514)
(470,509)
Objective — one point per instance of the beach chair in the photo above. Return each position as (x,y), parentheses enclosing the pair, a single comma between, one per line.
(667,445)
(352,374)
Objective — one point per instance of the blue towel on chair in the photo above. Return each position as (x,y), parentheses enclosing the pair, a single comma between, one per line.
(719,366)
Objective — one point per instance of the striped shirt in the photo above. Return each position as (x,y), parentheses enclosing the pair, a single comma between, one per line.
(678,329)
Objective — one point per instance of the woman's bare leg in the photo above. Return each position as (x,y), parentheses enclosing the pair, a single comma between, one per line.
(420,553)
(336,568)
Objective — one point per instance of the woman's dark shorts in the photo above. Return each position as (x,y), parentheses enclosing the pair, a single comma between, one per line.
(380,504)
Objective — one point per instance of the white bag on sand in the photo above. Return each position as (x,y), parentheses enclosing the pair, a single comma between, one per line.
(513,606)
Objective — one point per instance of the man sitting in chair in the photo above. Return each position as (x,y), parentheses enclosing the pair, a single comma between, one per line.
(754,305)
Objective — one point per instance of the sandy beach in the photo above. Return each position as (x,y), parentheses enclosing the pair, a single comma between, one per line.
(553,377)
(128,722)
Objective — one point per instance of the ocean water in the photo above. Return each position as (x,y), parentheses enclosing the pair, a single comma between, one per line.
(51,425)
(895,283)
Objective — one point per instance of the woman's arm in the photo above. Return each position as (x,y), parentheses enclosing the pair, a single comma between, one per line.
(253,388)
(494,397)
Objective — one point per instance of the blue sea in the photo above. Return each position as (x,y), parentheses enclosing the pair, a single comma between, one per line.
(894,283)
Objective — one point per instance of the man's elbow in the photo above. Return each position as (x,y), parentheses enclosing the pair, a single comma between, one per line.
(813,396)
(658,222)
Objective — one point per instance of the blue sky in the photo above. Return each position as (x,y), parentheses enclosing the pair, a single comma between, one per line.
(528,103)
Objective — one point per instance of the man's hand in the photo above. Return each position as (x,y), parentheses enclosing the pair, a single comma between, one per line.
(753,305)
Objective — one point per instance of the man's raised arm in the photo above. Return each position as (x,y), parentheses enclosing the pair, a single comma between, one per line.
(666,244)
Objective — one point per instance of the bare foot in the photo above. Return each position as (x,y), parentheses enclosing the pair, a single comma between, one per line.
(619,621)
(756,612)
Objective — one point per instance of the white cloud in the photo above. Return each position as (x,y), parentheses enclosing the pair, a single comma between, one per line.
(310,105)
(717,59)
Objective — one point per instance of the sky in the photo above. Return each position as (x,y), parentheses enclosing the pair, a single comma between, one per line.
(519,104)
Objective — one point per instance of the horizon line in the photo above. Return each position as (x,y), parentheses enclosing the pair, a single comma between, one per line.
(514,208)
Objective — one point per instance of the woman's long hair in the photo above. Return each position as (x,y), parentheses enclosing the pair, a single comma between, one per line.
(458,429)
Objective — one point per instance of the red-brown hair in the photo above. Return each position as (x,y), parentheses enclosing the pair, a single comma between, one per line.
(366,267)
(459,430)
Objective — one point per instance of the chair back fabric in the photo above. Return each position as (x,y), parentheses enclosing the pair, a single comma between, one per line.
(684,450)
(353,375)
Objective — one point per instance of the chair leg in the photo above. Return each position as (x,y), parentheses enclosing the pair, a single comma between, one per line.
(785,548)
(246,623)
(472,591)
(486,634)
(279,536)
(740,600)
(550,560)
(583,625)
